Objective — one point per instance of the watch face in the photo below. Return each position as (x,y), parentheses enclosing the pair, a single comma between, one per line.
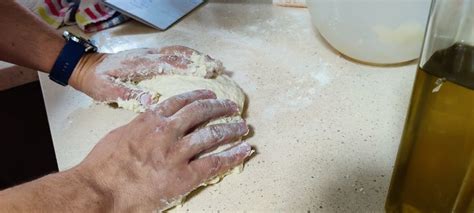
(74,38)
(88,45)
(91,49)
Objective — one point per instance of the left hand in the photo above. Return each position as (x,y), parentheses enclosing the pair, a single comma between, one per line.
(101,76)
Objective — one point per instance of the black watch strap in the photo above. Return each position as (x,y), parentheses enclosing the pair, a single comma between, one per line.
(69,57)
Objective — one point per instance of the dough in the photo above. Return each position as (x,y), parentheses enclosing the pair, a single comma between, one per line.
(200,74)
(165,86)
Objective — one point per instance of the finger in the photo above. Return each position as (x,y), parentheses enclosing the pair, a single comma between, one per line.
(175,64)
(139,51)
(140,68)
(213,165)
(132,74)
(183,51)
(145,67)
(116,91)
(176,61)
(201,111)
(178,50)
(171,105)
(186,52)
(210,137)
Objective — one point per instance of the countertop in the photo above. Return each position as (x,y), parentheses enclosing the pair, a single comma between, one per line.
(326,129)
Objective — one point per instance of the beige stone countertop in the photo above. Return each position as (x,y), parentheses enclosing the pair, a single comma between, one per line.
(326,129)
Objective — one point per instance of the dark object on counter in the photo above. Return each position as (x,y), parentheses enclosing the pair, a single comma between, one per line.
(26,148)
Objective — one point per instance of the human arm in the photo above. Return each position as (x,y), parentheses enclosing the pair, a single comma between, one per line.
(28,41)
(144,165)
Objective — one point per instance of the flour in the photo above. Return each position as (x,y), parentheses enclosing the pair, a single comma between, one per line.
(139,64)
(201,73)
(201,66)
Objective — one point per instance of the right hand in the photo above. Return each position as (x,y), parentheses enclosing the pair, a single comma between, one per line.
(151,162)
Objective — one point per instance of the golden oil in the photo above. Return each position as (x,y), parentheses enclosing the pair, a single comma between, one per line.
(434,171)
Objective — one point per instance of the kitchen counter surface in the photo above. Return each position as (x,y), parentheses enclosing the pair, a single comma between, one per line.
(326,129)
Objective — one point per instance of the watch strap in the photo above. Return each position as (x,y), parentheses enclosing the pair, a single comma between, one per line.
(66,62)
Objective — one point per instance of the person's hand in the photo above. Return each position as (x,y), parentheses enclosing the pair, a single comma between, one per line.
(153,161)
(101,76)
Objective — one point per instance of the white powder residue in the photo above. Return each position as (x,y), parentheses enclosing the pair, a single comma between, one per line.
(132,105)
(321,73)
(321,77)
(235,150)
(269,112)
(202,66)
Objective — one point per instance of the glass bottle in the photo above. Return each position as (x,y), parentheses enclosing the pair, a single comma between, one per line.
(434,170)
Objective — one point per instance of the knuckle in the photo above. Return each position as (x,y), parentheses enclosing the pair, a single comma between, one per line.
(166,126)
(153,115)
(143,117)
(216,133)
(162,105)
(155,110)
(159,157)
(215,165)
(168,153)
(203,105)
(179,99)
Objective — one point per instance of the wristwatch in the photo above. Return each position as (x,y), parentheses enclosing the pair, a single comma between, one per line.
(69,56)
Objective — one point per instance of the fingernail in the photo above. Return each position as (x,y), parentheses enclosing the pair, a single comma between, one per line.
(244,130)
(145,99)
(245,148)
(208,92)
(233,105)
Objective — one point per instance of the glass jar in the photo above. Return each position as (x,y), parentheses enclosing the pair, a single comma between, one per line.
(434,170)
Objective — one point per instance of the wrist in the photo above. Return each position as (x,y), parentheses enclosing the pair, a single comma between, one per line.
(67,191)
(86,190)
(83,69)
(75,49)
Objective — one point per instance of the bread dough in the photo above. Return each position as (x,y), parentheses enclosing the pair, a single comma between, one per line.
(166,86)
(201,73)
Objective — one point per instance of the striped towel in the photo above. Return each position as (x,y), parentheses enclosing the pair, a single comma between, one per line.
(89,15)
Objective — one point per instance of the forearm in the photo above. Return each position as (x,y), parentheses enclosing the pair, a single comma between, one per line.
(60,192)
(26,40)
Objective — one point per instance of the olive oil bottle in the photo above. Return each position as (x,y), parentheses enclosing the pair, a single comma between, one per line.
(434,171)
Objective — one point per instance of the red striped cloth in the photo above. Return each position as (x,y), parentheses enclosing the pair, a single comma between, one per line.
(89,15)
